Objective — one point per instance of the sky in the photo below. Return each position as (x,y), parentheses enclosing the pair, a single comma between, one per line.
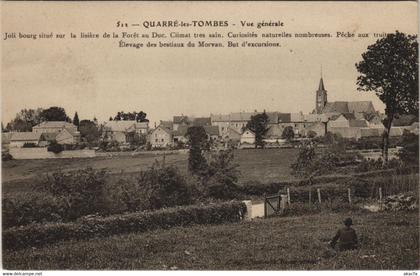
(97,78)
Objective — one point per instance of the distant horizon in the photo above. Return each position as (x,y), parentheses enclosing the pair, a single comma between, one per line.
(96,78)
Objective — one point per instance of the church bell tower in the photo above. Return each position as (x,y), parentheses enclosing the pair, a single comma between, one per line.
(321,97)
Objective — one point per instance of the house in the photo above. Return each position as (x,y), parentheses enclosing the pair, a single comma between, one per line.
(236,121)
(5,139)
(232,135)
(248,137)
(62,132)
(180,121)
(19,139)
(54,127)
(124,131)
(67,137)
(180,134)
(212,132)
(161,137)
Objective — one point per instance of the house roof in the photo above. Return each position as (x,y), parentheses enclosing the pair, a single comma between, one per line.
(180,119)
(125,126)
(249,131)
(202,121)
(55,124)
(361,107)
(167,130)
(25,136)
(181,131)
(275,131)
(232,130)
(349,116)
(349,107)
(358,123)
(167,125)
(211,130)
(49,136)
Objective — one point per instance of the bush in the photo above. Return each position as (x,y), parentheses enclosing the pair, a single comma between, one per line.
(221,175)
(32,208)
(82,190)
(409,154)
(5,156)
(159,186)
(29,145)
(55,147)
(42,234)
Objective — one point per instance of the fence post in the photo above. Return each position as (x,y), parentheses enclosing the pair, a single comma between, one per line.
(349,195)
(380,198)
(310,197)
(288,196)
(319,195)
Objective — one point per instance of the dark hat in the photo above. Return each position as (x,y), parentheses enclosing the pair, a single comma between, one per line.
(348,222)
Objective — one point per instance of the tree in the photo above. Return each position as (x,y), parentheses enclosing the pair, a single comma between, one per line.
(259,125)
(131,116)
(25,120)
(390,69)
(54,113)
(89,131)
(197,163)
(288,133)
(410,148)
(76,120)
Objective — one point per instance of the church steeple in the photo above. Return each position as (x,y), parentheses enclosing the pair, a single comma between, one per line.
(321,96)
(321,85)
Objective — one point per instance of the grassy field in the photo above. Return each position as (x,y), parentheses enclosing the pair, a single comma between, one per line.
(389,241)
(269,165)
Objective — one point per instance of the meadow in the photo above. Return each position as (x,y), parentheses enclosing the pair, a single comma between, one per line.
(265,166)
(388,241)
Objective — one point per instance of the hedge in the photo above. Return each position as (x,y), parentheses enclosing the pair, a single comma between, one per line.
(36,235)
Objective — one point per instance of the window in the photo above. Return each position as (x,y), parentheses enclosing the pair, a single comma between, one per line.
(162,140)
(156,140)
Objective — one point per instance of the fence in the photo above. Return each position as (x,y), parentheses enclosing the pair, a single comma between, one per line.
(378,188)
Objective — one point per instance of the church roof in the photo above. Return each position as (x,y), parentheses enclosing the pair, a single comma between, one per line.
(321,85)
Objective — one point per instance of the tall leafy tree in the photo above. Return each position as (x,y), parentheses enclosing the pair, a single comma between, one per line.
(288,133)
(259,125)
(89,131)
(197,163)
(76,121)
(25,120)
(54,113)
(389,67)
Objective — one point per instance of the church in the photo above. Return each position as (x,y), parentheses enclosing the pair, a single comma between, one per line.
(322,106)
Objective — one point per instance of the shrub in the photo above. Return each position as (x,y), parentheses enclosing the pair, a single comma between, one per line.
(55,147)
(409,154)
(31,208)
(29,145)
(81,190)
(42,234)
(5,156)
(311,134)
(164,186)
(221,175)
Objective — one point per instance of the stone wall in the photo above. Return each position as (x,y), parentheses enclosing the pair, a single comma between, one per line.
(43,153)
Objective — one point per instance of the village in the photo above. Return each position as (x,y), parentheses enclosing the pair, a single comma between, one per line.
(350,120)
